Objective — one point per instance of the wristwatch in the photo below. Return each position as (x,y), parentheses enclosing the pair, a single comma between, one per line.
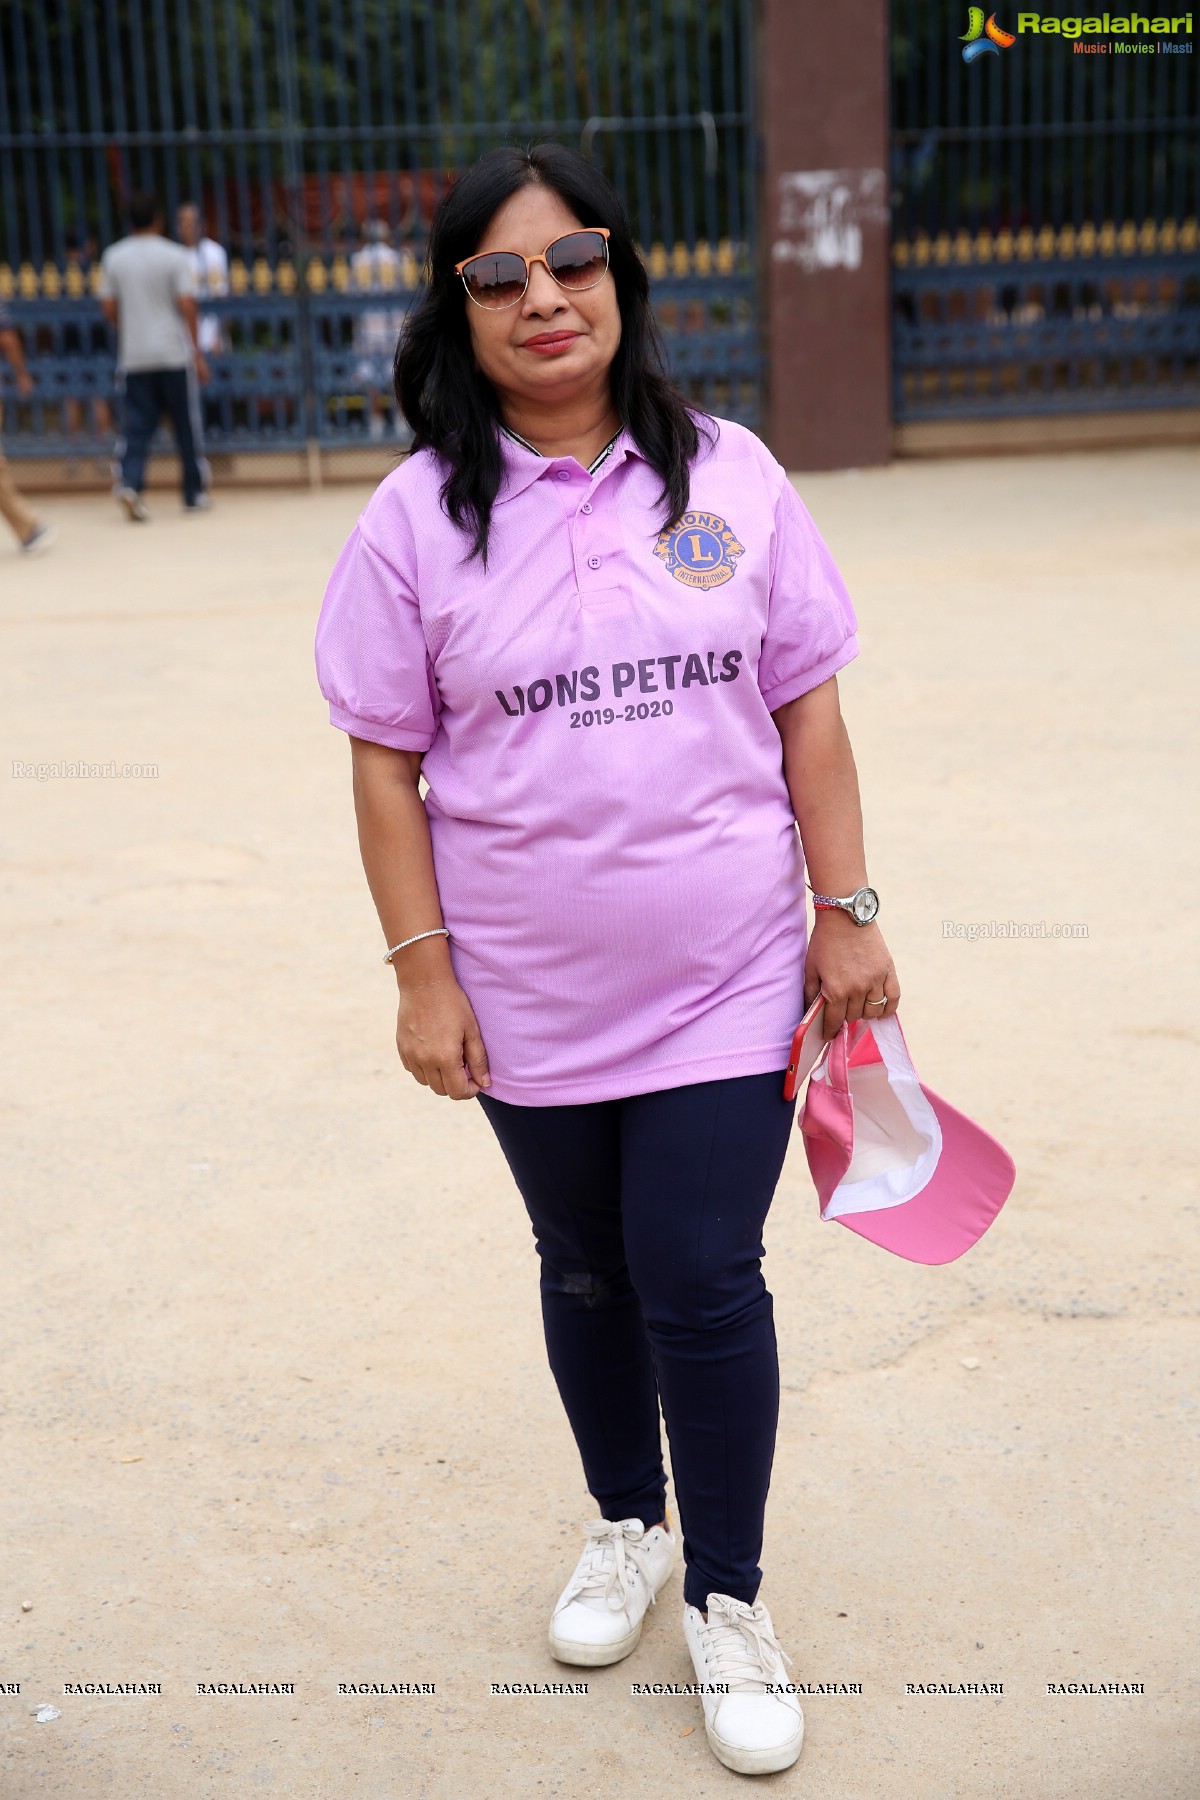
(863,906)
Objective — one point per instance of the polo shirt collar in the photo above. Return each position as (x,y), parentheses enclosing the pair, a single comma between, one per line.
(523,465)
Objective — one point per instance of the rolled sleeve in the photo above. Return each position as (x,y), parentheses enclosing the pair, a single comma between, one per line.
(372,658)
(811,624)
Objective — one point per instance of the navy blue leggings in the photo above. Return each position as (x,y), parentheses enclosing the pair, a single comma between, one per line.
(648,1215)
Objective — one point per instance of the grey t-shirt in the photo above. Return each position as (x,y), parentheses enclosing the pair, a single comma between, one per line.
(145,274)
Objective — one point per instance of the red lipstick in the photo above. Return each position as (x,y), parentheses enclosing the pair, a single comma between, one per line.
(547,343)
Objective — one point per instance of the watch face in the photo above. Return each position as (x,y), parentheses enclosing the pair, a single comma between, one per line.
(866,905)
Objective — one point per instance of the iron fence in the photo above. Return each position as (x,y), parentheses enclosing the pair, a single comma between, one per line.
(295,124)
(1045,252)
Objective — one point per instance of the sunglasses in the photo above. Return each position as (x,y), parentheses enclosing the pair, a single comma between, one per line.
(499,278)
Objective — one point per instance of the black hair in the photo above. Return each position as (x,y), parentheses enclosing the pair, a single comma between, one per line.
(144,208)
(450,404)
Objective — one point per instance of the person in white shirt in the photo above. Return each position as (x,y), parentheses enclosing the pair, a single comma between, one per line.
(211,267)
(376,268)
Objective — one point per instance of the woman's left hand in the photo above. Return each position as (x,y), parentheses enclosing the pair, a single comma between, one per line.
(850,964)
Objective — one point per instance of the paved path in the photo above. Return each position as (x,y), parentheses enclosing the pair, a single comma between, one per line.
(276,1405)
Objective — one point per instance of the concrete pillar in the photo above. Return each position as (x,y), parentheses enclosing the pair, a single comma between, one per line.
(824,229)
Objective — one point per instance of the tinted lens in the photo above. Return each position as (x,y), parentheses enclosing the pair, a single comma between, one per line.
(579,259)
(497,279)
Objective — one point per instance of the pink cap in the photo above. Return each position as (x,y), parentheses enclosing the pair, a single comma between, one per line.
(892,1160)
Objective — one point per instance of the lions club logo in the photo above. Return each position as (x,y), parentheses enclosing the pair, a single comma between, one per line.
(699,550)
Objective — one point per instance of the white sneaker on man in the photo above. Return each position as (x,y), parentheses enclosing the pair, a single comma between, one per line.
(133,503)
(598,1616)
(752,1727)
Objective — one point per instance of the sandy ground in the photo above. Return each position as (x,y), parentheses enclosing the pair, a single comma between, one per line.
(275,1399)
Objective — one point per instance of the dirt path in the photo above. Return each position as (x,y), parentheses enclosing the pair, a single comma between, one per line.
(276,1404)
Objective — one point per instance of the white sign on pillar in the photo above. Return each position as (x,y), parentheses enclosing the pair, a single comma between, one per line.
(822,213)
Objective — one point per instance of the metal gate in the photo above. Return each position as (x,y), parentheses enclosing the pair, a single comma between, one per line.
(1046,187)
(317,136)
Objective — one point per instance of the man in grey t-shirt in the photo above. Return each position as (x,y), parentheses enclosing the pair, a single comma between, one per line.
(148,291)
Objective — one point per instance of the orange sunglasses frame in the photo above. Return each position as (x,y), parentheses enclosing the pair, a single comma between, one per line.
(600,231)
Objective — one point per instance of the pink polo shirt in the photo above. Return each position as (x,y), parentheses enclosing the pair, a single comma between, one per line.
(616,853)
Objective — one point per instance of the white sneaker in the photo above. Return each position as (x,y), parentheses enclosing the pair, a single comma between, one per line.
(133,503)
(598,1616)
(751,1726)
(40,538)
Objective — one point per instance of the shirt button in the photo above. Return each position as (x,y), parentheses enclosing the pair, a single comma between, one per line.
(563,474)
(593,562)
(586,507)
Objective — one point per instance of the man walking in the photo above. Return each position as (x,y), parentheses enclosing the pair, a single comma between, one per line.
(32,533)
(148,291)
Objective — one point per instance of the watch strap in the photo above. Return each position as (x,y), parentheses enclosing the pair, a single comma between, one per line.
(827,900)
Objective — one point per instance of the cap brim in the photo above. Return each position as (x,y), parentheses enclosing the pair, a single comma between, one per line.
(973,1179)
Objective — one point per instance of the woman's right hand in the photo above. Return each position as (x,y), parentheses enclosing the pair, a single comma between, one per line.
(438,1037)
(437,1033)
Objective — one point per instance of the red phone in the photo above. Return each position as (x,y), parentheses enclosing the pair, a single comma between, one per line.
(801,1059)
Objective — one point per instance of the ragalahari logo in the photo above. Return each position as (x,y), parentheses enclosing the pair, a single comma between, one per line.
(984,38)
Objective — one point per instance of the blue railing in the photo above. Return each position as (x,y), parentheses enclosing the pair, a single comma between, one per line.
(1045,248)
(297,368)
(1084,333)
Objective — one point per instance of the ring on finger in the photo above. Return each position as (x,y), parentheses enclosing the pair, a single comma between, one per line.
(882,1002)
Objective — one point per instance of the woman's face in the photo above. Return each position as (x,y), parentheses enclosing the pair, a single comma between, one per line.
(504,341)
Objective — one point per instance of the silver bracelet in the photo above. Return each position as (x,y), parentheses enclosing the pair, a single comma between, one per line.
(438,931)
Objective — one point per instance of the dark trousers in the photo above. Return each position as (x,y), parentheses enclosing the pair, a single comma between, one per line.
(648,1215)
(149,393)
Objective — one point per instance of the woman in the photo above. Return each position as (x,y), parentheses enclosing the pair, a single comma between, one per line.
(605,629)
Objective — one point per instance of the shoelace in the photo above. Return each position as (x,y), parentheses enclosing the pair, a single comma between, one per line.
(613,1544)
(740,1643)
